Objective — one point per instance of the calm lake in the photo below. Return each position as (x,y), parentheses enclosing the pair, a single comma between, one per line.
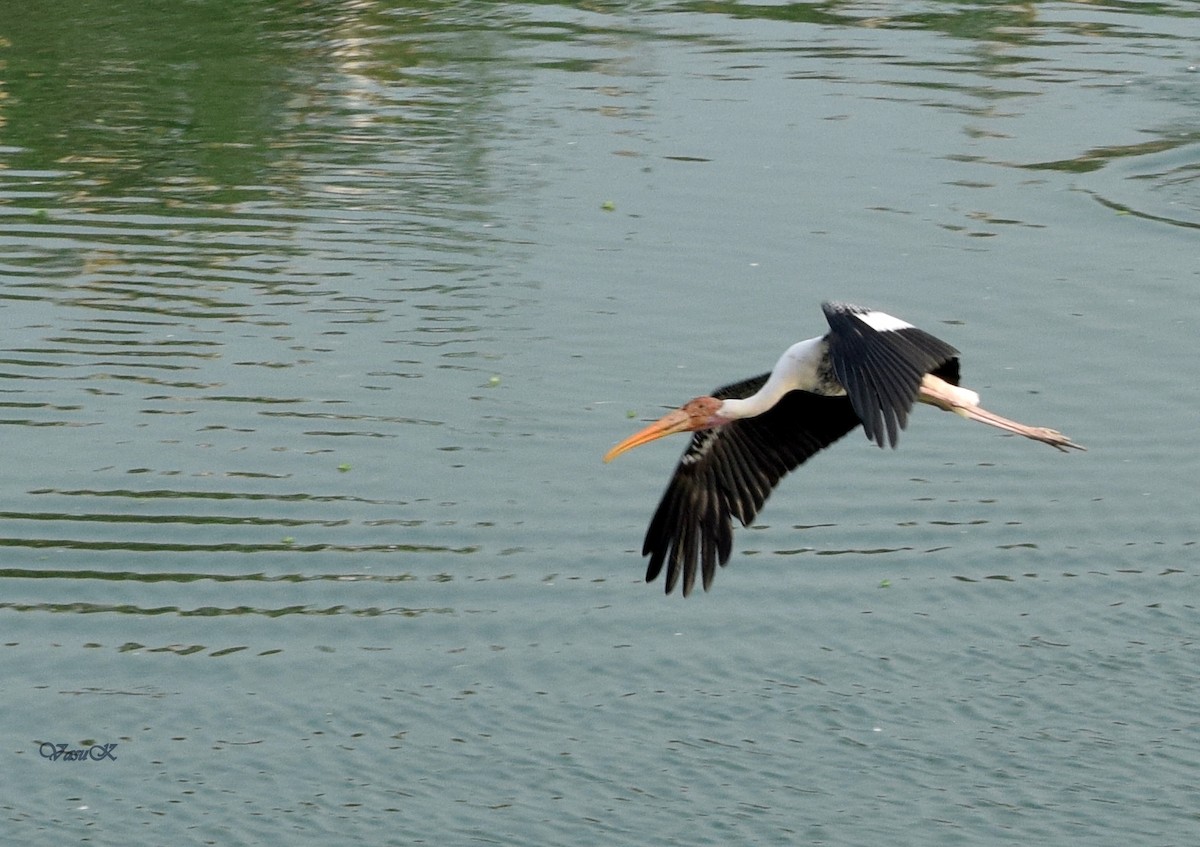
(319,316)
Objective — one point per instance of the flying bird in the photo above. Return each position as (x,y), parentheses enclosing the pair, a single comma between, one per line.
(868,370)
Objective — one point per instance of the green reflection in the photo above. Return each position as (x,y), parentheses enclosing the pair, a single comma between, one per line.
(223,103)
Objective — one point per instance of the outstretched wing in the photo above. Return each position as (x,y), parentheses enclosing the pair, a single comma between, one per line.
(729,472)
(880,361)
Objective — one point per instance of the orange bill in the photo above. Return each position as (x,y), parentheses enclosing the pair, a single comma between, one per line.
(677,421)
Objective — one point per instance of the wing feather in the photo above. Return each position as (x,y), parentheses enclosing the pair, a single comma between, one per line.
(729,472)
(880,361)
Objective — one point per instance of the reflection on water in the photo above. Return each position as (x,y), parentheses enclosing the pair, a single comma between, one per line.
(229,251)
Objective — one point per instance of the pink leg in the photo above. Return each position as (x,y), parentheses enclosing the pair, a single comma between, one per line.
(963,401)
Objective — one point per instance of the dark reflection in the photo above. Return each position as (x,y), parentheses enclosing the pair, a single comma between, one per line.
(1096,158)
(132,576)
(216,612)
(1123,209)
(1003,23)
(153,519)
(279,547)
(870,551)
(92,691)
(1007,23)
(85,576)
(166,493)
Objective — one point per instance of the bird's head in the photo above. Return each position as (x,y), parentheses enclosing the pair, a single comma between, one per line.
(700,413)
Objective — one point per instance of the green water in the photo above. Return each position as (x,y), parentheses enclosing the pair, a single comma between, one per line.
(319,317)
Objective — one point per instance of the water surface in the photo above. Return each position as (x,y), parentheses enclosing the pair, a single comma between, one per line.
(318,319)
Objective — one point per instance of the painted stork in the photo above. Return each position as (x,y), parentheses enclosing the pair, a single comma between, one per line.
(868,369)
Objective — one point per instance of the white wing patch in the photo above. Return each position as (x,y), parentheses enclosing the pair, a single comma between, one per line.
(882,322)
(703,443)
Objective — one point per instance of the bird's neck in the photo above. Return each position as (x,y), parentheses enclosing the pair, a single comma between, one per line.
(798,368)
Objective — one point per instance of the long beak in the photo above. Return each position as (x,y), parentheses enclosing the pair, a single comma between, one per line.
(676,421)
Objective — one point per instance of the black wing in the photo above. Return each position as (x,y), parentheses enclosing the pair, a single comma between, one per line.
(729,472)
(880,361)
